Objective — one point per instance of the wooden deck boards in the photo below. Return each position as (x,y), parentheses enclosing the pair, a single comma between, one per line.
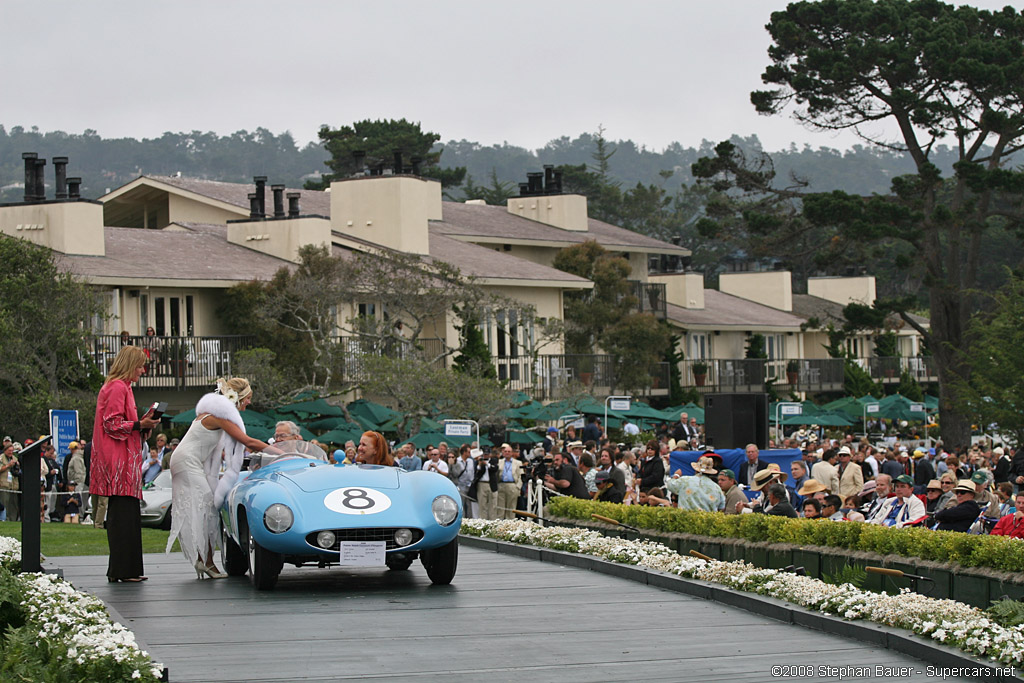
(503,619)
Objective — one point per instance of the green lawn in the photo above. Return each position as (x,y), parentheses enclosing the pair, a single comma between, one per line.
(83,539)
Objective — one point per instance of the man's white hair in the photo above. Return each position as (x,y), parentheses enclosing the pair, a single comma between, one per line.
(292,428)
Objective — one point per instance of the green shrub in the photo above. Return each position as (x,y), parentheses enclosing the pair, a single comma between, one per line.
(995,552)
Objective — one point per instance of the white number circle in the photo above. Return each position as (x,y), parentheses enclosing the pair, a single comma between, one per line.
(355,500)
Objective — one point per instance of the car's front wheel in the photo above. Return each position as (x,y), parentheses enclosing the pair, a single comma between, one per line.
(264,565)
(442,562)
(236,563)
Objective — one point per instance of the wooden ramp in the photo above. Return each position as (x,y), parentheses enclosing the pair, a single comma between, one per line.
(504,618)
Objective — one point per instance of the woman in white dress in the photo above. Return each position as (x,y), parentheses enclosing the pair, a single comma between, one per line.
(197,486)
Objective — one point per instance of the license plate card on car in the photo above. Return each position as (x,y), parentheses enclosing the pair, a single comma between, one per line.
(363,553)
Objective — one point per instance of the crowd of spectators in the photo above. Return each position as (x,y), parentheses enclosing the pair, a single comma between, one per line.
(978,489)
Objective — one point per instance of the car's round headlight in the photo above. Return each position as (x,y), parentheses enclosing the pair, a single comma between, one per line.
(445,510)
(403,536)
(325,539)
(278,518)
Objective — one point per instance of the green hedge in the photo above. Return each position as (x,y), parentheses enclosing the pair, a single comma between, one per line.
(968,550)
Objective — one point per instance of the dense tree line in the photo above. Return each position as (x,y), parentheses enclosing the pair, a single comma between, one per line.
(109,162)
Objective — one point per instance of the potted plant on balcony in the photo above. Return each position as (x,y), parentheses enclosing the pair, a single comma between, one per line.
(700,373)
(175,352)
(793,371)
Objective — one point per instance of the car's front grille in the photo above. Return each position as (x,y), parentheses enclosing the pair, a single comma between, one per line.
(386,534)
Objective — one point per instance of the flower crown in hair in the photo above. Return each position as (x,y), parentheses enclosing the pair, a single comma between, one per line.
(227,392)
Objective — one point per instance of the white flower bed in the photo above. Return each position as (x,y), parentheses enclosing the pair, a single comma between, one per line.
(947,621)
(73,623)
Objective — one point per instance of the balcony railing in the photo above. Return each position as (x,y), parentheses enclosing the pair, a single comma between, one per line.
(650,297)
(175,362)
(554,376)
(741,375)
(889,368)
(353,349)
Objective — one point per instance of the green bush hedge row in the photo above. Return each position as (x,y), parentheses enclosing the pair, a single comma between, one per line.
(968,550)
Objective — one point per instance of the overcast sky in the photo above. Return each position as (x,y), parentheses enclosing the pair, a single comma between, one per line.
(524,71)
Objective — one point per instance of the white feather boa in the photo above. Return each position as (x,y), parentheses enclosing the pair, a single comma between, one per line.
(234,451)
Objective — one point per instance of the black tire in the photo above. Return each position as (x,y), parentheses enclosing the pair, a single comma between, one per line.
(399,562)
(165,524)
(236,561)
(264,566)
(442,562)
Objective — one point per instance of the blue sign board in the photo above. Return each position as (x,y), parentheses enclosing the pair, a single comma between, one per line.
(64,427)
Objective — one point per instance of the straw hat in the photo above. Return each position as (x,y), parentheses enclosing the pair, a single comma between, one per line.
(705,465)
(810,487)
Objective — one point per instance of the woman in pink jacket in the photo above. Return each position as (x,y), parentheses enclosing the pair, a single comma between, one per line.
(117,455)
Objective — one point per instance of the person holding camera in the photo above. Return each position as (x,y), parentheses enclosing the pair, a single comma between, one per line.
(10,482)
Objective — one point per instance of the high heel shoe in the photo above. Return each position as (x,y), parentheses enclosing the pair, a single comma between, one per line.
(203,571)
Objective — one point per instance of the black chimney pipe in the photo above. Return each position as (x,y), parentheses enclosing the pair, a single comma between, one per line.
(549,179)
(416,165)
(278,191)
(398,161)
(359,156)
(30,175)
(60,169)
(535,180)
(73,185)
(558,182)
(40,186)
(261,194)
(524,189)
(293,204)
(254,205)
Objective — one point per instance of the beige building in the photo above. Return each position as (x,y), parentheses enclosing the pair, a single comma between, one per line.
(162,250)
(716,326)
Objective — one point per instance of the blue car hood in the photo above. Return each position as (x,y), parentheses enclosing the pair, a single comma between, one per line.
(329,477)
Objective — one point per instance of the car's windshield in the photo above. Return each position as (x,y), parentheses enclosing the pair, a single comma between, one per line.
(162,480)
(289,449)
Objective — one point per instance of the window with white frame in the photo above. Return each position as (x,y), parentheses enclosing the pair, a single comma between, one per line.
(699,346)
(776,344)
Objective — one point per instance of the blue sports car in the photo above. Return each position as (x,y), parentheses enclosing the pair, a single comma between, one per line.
(296,508)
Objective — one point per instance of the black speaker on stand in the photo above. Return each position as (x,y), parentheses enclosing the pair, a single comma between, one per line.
(734,420)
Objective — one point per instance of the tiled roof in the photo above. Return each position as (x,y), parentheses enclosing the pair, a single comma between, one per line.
(483,262)
(726,310)
(200,252)
(480,220)
(311,202)
(809,306)
(459,219)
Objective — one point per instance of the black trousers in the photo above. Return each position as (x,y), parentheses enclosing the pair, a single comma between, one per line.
(124,537)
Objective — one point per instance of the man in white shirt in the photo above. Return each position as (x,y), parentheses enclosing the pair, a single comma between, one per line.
(436,464)
(902,508)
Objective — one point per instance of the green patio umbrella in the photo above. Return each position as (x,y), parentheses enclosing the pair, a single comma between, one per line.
(526,436)
(184,418)
(339,436)
(260,432)
(807,408)
(332,423)
(823,419)
(426,425)
(691,409)
(899,407)
(518,398)
(372,413)
(315,407)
